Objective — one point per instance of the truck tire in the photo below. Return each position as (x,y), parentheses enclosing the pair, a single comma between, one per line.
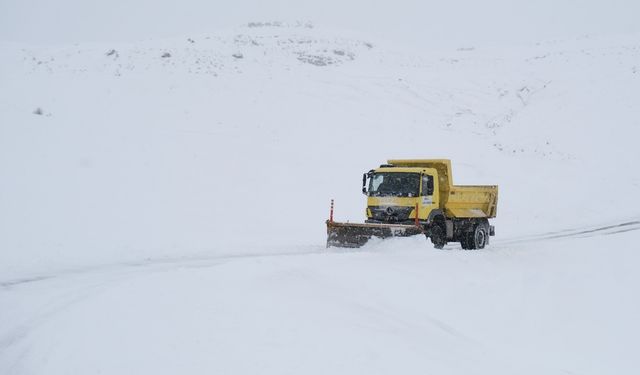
(477,238)
(438,237)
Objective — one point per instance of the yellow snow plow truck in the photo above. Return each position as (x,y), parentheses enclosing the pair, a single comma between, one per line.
(410,197)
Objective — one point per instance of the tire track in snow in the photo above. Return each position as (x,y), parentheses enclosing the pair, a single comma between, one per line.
(584,232)
(180,261)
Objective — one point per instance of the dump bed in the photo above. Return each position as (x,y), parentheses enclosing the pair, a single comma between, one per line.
(472,201)
(457,201)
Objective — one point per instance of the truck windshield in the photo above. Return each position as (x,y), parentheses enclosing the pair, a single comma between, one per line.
(394,184)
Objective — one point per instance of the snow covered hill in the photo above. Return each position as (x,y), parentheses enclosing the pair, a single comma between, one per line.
(173,192)
(176,147)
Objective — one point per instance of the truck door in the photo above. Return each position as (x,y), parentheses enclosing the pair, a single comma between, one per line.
(427,201)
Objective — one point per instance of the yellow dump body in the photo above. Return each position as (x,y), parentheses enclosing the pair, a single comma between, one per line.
(472,201)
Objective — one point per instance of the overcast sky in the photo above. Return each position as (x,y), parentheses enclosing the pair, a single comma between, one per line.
(423,21)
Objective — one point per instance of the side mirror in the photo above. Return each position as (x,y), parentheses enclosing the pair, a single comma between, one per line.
(364,184)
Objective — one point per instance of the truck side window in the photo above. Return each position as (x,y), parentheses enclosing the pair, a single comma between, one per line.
(427,185)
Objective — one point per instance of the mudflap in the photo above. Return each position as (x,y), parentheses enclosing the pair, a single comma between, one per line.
(356,235)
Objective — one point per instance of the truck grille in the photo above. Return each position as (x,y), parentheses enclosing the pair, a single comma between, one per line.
(390,214)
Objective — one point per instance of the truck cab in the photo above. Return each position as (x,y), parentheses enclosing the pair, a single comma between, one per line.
(393,193)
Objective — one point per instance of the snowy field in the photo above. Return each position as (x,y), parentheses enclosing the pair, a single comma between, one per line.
(162,201)
(565,305)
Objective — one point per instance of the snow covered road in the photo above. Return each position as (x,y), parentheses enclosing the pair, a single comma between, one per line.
(393,306)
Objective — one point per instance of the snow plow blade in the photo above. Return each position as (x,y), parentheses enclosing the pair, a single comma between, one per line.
(356,235)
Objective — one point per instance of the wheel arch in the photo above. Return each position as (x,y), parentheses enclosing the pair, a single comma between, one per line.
(435,215)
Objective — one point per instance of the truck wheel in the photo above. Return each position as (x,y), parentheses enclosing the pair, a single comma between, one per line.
(478,238)
(438,237)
